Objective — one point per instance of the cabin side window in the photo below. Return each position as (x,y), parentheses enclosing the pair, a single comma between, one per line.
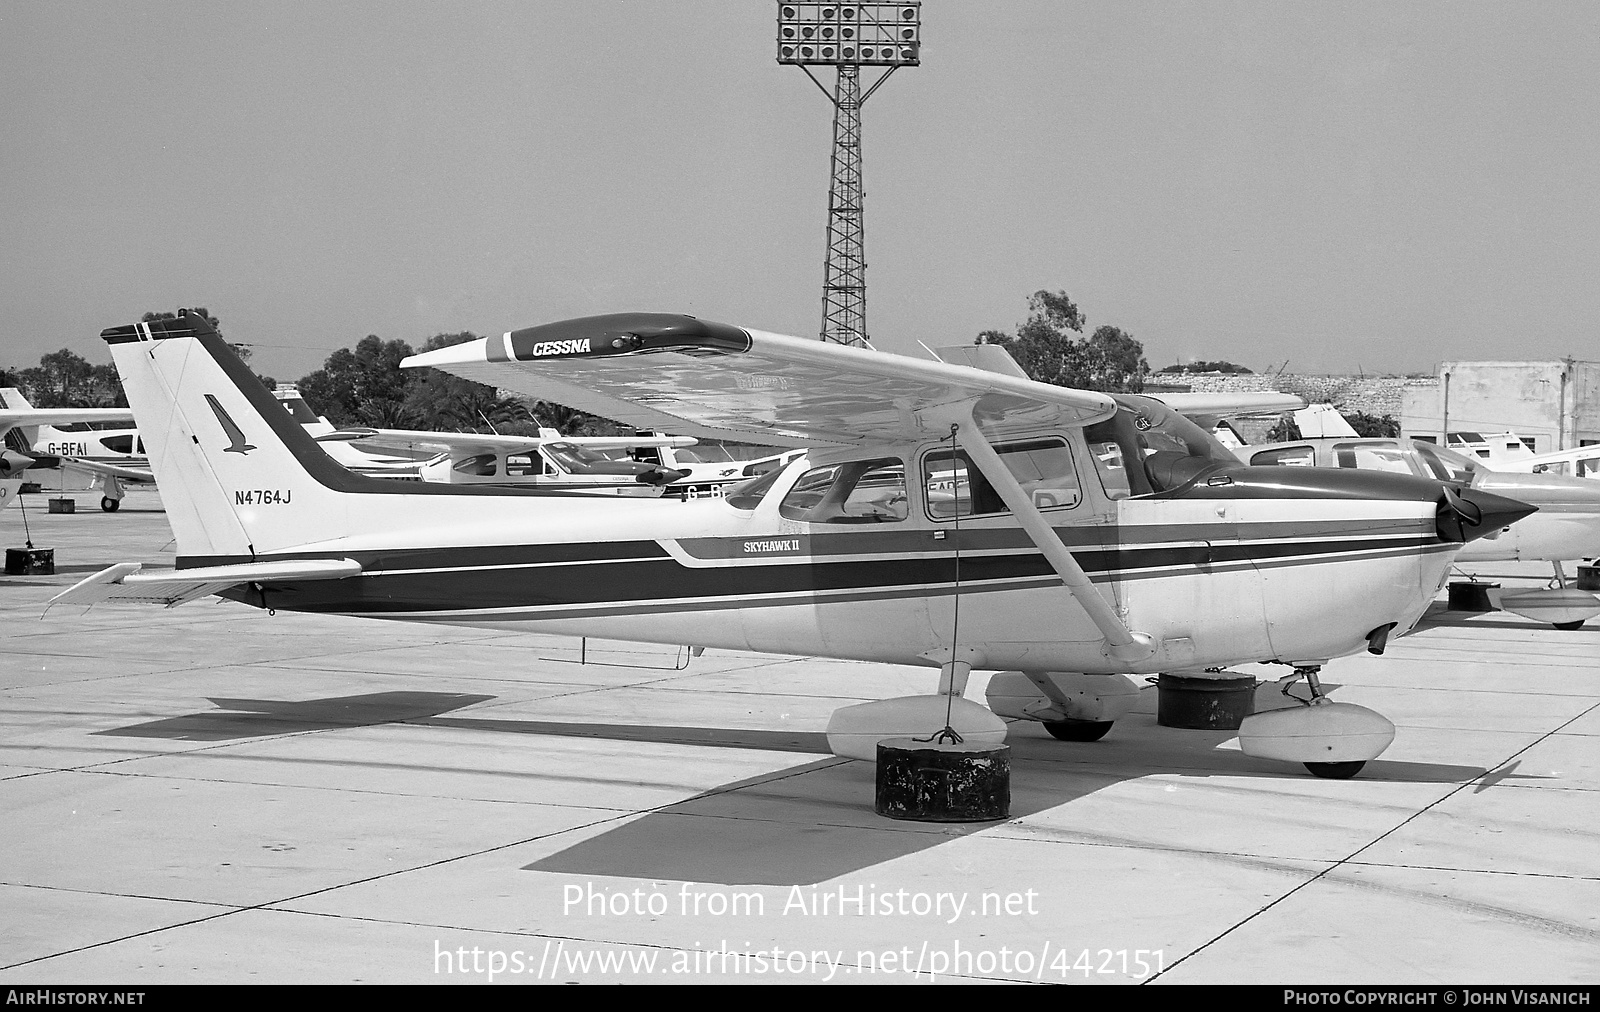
(1373,457)
(481,465)
(953,486)
(1288,456)
(856,492)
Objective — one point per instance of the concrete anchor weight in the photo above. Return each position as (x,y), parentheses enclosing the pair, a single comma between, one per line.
(1470,595)
(932,781)
(1208,703)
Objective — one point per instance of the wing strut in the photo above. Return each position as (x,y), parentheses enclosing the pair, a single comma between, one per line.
(1121,642)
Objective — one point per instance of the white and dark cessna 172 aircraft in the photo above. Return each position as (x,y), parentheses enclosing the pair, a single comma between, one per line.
(1079,537)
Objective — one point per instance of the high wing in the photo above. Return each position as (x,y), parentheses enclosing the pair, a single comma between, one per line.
(171,587)
(15,410)
(1544,461)
(712,380)
(676,372)
(1230,403)
(478,442)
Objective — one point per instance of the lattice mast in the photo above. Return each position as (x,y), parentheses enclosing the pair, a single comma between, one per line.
(848,37)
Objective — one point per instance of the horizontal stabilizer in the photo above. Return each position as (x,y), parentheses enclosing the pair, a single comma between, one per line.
(100,468)
(127,582)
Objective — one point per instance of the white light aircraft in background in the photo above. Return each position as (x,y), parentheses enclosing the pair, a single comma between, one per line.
(1567,526)
(32,441)
(1086,537)
(548,460)
(1579,462)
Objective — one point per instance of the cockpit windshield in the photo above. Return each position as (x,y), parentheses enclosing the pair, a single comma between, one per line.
(747,495)
(573,458)
(1147,447)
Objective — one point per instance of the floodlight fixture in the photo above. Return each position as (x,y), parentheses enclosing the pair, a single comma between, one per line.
(847,37)
(862,34)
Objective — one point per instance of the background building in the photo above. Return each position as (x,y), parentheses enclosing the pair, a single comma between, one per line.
(1555,403)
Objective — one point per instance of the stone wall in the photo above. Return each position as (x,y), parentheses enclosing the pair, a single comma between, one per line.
(1373,395)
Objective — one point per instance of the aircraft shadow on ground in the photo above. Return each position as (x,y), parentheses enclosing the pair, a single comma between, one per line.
(256,718)
(815,822)
(801,824)
(1500,619)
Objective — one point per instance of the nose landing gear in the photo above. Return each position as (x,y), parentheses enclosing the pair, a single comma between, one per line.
(1333,740)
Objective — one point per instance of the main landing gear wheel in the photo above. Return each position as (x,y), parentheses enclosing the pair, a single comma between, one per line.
(1570,625)
(1078,730)
(1336,771)
(109,504)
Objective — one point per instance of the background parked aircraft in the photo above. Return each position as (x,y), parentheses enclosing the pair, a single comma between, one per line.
(549,460)
(33,441)
(1567,526)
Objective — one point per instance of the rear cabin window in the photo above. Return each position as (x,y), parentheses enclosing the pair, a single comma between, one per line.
(1287,456)
(521,465)
(954,486)
(480,466)
(857,492)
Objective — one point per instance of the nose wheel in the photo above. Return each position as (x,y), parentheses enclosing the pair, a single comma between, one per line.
(1335,771)
(1328,770)
(1333,740)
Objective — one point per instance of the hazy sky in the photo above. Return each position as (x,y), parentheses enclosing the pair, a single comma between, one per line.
(1378,184)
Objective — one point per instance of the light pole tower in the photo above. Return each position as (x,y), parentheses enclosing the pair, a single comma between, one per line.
(847,37)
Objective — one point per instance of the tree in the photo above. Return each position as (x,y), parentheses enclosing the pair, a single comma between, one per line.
(365,385)
(65,379)
(1373,426)
(1285,431)
(439,401)
(197,311)
(1047,351)
(1113,360)
(362,386)
(1222,366)
(244,351)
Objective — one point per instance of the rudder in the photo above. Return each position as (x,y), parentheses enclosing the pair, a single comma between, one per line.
(224,453)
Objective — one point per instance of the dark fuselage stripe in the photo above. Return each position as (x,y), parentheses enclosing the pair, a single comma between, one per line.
(612,582)
(681,606)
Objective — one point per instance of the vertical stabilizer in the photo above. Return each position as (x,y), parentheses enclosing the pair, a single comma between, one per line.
(219,444)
